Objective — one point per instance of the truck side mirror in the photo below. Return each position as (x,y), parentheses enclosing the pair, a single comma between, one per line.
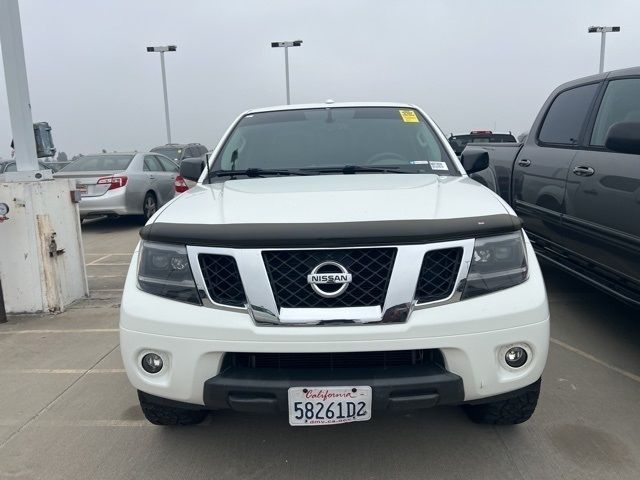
(191,168)
(624,137)
(474,160)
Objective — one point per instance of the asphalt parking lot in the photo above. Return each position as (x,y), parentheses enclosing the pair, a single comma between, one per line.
(67,410)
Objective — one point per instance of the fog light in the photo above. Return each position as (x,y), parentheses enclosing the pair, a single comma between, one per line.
(152,363)
(516,357)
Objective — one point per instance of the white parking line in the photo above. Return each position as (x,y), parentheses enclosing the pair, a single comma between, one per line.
(106,276)
(93,423)
(588,356)
(93,264)
(63,371)
(566,346)
(98,259)
(67,330)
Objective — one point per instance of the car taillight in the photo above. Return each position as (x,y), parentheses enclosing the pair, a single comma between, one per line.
(116,181)
(180,185)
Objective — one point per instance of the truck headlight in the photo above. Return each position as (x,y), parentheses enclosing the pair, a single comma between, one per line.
(164,270)
(498,263)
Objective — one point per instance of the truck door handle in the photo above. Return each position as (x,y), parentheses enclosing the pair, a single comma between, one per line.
(151,177)
(524,162)
(583,171)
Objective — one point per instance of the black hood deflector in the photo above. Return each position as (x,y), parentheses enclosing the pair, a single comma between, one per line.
(329,235)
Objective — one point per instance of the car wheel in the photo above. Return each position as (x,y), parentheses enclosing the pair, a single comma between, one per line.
(166,415)
(510,411)
(150,206)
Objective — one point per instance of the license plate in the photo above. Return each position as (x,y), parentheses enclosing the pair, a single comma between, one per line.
(310,406)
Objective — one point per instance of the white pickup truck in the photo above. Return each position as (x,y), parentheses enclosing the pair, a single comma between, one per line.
(334,262)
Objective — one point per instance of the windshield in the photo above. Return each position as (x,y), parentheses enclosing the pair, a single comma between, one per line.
(172,153)
(99,163)
(334,138)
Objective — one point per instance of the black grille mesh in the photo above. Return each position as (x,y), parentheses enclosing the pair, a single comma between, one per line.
(332,361)
(222,279)
(438,274)
(370,269)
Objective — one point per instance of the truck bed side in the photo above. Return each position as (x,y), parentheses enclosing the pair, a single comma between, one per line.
(498,176)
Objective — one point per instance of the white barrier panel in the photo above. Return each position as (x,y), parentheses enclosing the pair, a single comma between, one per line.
(41,256)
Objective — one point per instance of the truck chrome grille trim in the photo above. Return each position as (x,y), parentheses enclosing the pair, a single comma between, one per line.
(332,361)
(385,294)
(438,274)
(370,269)
(222,279)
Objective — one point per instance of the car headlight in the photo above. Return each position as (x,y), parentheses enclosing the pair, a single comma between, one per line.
(498,262)
(164,270)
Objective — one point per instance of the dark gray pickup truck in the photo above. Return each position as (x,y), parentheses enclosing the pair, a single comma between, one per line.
(575,181)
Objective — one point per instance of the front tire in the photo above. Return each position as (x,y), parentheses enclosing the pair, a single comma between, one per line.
(159,414)
(510,411)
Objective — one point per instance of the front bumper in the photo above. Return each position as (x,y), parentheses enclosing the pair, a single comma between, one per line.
(395,388)
(471,335)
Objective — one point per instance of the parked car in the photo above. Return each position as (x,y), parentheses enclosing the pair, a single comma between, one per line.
(56,166)
(575,181)
(336,261)
(115,184)
(179,151)
(459,142)
(10,166)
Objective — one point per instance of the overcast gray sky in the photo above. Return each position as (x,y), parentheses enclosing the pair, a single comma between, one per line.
(469,64)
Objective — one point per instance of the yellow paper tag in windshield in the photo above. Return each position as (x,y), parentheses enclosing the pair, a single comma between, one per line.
(409,116)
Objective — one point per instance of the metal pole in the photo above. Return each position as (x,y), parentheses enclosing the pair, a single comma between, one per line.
(286,68)
(15,74)
(166,101)
(602,42)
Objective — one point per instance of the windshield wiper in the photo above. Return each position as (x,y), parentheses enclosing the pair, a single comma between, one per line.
(350,169)
(255,173)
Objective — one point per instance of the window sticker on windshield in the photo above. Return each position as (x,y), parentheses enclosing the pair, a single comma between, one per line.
(409,116)
(420,162)
(438,166)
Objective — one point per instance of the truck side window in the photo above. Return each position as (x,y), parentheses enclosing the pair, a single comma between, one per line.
(621,103)
(566,115)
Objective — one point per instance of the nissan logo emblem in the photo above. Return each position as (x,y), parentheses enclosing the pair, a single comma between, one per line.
(329,273)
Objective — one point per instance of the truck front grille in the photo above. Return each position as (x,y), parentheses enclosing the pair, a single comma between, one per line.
(332,361)
(370,269)
(222,278)
(438,274)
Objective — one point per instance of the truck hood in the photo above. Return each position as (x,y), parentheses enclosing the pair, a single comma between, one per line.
(331,211)
(333,198)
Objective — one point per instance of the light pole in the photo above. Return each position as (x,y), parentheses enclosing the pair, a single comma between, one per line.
(286,45)
(603,32)
(167,48)
(15,74)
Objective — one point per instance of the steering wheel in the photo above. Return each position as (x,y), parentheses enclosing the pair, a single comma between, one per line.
(386,158)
